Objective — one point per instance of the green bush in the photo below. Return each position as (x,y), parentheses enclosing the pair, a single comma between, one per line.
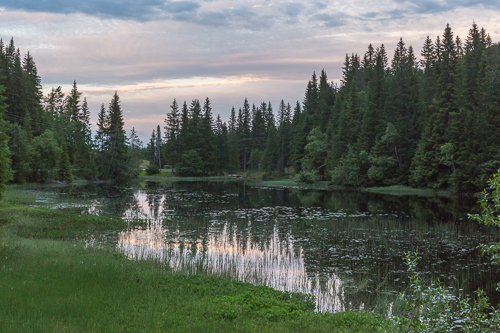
(435,308)
(152,169)
(307,177)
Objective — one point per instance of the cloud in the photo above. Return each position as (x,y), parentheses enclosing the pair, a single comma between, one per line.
(432,7)
(140,10)
(292,9)
(320,5)
(330,20)
(181,6)
(241,17)
(370,14)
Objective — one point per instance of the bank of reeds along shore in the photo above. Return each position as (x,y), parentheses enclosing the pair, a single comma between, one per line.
(52,282)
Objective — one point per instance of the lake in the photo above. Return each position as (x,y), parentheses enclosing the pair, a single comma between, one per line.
(344,247)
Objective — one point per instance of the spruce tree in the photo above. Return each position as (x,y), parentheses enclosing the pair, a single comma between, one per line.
(208,140)
(65,173)
(326,97)
(101,137)
(183,131)
(4,148)
(172,128)
(117,167)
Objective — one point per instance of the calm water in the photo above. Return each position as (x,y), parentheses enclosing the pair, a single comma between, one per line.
(344,247)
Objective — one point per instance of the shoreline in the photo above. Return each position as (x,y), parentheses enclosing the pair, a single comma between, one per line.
(394,190)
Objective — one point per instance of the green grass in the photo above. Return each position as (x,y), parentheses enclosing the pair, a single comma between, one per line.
(53,286)
(49,285)
(38,222)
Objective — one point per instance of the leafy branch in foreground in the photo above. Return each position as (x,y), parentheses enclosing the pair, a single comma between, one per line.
(490,207)
(435,308)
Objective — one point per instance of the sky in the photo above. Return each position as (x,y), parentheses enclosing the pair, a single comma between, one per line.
(152,51)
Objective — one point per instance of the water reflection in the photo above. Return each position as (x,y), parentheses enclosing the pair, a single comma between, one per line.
(346,248)
(273,264)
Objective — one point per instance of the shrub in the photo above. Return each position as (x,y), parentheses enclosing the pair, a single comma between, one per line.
(152,169)
(435,308)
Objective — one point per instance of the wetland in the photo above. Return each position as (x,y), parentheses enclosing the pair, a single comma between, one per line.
(344,247)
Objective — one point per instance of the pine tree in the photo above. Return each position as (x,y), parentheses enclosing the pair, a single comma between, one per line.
(427,169)
(298,140)
(151,149)
(233,124)
(270,156)
(374,110)
(311,103)
(222,154)
(183,131)
(172,128)
(33,93)
(158,148)
(101,137)
(259,130)
(326,97)
(4,148)
(65,173)
(244,136)
(207,144)
(268,114)
(116,166)
(233,146)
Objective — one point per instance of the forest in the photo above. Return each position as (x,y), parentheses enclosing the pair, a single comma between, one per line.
(428,123)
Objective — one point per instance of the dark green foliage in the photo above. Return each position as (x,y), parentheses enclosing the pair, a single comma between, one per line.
(386,162)
(21,153)
(432,123)
(46,155)
(352,169)
(38,127)
(271,155)
(172,128)
(65,173)
(191,164)
(490,209)
(435,308)
(152,169)
(315,152)
(115,165)
(4,148)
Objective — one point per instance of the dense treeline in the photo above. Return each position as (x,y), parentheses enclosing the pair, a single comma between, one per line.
(429,123)
(49,137)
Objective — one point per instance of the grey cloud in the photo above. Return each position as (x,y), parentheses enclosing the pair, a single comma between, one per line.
(147,10)
(330,20)
(429,6)
(320,5)
(370,14)
(181,6)
(141,10)
(241,17)
(214,18)
(292,9)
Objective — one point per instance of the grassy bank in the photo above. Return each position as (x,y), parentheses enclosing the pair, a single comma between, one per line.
(397,190)
(406,190)
(49,285)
